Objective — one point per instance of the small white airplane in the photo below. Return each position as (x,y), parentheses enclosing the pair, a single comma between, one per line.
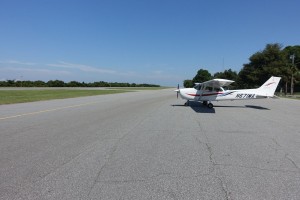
(213,90)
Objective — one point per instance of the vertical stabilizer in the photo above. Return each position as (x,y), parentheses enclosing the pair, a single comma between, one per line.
(269,87)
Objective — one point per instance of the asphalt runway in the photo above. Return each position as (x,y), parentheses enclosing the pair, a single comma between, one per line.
(146,145)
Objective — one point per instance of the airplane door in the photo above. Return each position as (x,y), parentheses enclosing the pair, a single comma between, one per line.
(199,92)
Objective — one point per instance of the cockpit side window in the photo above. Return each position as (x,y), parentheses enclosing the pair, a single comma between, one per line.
(219,89)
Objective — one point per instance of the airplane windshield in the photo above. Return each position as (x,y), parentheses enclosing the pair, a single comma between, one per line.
(197,87)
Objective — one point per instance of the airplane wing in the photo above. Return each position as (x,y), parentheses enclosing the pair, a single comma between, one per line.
(217,82)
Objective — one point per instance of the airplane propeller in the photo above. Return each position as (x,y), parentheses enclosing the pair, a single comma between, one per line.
(177,91)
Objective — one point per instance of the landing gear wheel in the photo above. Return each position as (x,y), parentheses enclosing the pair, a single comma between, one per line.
(204,103)
(210,105)
(187,103)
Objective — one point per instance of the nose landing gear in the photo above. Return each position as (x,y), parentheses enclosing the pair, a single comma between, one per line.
(187,103)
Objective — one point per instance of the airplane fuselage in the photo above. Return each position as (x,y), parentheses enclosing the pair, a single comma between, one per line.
(192,94)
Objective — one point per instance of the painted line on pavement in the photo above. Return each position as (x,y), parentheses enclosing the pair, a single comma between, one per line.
(48,110)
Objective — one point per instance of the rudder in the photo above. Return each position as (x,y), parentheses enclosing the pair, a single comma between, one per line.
(269,87)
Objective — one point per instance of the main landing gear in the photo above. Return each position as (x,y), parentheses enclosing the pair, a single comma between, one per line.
(205,103)
(209,105)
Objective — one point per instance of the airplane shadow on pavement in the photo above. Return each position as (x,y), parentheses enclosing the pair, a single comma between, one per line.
(256,107)
(203,109)
(199,108)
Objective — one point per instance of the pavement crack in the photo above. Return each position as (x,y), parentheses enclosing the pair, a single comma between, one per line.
(208,147)
(111,153)
(253,167)
(210,153)
(154,177)
(108,158)
(292,161)
(214,165)
(123,181)
(224,188)
(88,149)
(275,141)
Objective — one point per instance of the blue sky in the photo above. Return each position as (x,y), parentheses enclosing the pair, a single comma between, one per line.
(142,41)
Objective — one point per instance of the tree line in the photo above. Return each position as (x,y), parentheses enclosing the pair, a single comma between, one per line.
(59,83)
(274,60)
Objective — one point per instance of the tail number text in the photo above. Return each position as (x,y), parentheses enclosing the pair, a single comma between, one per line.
(245,96)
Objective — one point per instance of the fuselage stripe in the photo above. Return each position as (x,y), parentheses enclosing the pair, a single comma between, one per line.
(208,94)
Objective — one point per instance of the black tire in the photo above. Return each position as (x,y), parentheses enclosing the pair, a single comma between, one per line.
(187,103)
(210,105)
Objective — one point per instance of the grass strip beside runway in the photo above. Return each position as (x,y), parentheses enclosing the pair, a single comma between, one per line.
(22,96)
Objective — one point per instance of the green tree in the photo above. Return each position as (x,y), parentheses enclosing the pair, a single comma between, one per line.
(227,74)
(188,83)
(26,84)
(291,73)
(230,75)
(11,83)
(3,84)
(202,76)
(262,65)
(74,84)
(56,83)
(39,84)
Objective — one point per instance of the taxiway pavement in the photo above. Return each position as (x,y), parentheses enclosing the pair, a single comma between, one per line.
(146,145)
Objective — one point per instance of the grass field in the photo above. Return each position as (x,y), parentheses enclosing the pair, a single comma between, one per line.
(139,88)
(21,96)
(295,96)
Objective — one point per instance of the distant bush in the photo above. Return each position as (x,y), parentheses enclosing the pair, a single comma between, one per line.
(59,83)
